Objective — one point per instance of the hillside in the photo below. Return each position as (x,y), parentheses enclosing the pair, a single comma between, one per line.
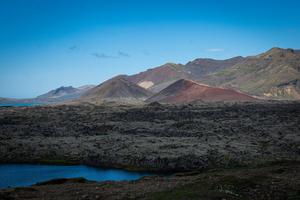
(165,75)
(153,79)
(158,78)
(186,90)
(275,73)
(203,66)
(57,95)
(119,90)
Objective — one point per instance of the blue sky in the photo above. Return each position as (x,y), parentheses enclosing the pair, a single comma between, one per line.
(45,44)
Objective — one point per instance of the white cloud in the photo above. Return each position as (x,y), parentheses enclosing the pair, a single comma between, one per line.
(215,50)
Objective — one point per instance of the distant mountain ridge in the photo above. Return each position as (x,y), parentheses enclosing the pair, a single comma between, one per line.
(203,66)
(60,92)
(58,95)
(275,73)
(161,77)
(153,79)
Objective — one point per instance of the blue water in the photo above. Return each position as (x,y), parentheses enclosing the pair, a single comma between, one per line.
(22,104)
(17,175)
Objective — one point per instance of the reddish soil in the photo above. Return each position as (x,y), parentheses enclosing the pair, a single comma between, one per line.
(186,90)
(160,74)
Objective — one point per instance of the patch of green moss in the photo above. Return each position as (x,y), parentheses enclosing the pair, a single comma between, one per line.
(140,169)
(135,169)
(177,194)
(192,173)
(6,196)
(214,170)
(53,181)
(80,180)
(56,161)
(29,161)
(165,81)
(281,170)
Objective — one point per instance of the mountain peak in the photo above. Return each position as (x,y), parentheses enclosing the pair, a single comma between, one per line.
(275,49)
(119,89)
(268,53)
(65,87)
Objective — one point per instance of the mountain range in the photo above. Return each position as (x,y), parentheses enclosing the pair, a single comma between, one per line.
(274,74)
(58,95)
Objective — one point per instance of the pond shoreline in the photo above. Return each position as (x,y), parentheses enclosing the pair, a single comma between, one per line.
(17,175)
(275,180)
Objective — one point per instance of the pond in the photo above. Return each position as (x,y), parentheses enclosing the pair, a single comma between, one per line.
(17,175)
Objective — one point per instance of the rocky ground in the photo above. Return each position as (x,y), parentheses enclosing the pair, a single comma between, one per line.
(164,137)
(154,137)
(274,181)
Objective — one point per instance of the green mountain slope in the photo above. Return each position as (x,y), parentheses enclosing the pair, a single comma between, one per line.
(275,73)
(203,66)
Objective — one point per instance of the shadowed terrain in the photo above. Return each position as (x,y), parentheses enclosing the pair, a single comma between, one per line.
(167,137)
(248,148)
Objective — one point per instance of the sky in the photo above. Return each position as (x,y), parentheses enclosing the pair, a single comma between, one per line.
(46,44)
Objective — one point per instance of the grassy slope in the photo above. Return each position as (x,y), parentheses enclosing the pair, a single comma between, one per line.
(268,74)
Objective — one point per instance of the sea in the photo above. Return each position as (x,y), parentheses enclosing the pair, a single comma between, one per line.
(21,104)
(18,175)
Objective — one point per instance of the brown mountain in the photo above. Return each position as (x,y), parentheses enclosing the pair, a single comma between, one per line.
(64,93)
(203,66)
(153,79)
(271,74)
(98,87)
(165,75)
(186,90)
(158,78)
(275,73)
(119,90)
